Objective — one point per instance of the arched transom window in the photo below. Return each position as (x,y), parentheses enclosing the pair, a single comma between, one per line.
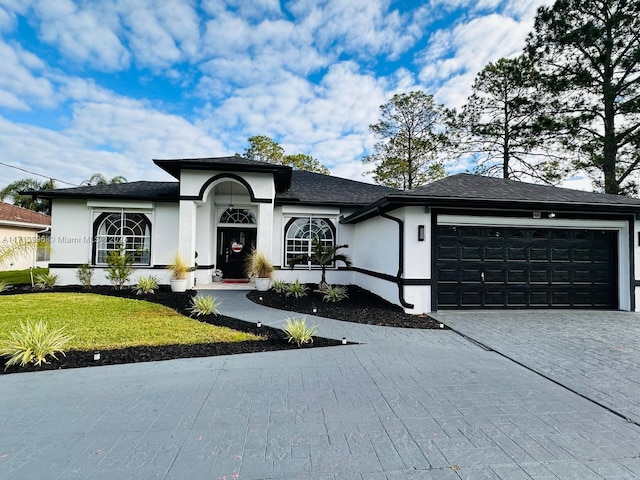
(237,215)
(130,231)
(301,232)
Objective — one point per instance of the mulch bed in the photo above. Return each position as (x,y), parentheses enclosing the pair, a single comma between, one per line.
(362,306)
(274,338)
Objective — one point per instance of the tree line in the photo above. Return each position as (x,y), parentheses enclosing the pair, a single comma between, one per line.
(568,104)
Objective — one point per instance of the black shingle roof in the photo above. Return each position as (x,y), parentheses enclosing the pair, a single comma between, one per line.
(156,191)
(476,187)
(306,188)
(311,188)
(478,192)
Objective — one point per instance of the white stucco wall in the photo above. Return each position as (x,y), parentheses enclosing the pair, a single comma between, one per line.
(72,237)
(378,251)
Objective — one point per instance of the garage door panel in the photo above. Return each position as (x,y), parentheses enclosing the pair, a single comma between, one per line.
(539,254)
(471,252)
(517,275)
(539,275)
(448,252)
(516,299)
(515,254)
(524,267)
(539,299)
(561,275)
(560,254)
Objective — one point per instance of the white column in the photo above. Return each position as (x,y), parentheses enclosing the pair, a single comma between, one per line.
(264,242)
(187,234)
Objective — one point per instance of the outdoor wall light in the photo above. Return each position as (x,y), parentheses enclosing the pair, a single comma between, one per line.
(344,340)
(96,356)
(421,233)
(259,324)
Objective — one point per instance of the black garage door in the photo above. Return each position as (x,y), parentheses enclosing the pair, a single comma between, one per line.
(524,267)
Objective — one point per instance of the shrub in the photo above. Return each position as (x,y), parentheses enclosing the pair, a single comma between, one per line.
(45,280)
(33,343)
(204,305)
(324,256)
(3,286)
(178,267)
(84,275)
(298,332)
(258,265)
(279,286)
(145,285)
(296,289)
(334,293)
(120,269)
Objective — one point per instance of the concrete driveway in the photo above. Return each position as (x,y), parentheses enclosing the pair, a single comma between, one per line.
(403,405)
(595,353)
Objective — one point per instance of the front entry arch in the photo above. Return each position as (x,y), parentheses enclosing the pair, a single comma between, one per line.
(234,244)
(235,239)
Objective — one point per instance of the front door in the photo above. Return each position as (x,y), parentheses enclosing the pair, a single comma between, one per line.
(234,244)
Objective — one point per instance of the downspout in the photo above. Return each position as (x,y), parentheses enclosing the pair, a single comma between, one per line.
(403,302)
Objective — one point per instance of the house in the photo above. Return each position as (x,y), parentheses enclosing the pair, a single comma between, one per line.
(462,242)
(18,224)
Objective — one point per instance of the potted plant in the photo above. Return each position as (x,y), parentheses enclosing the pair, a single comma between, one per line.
(259,266)
(179,269)
(217,275)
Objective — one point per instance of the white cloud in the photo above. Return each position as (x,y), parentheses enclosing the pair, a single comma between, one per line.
(81,34)
(161,33)
(21,87)
(455,56)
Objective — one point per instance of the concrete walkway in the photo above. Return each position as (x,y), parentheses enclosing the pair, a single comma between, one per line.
(405,404)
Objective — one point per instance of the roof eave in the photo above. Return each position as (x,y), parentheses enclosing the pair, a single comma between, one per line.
(392,202)
(281,173)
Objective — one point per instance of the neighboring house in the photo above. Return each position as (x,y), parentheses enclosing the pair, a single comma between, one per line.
(462,242)
(18,224)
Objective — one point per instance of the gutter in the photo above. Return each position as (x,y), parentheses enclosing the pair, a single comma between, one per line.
(403,302)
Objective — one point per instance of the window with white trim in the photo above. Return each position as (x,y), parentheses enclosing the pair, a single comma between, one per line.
(131,231)
(301,232)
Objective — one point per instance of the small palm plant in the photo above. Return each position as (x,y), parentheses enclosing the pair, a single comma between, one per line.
(45,280)
(204,305)
(334,293)
(296,289)
(33,343)
(298,332)
(146,285)
(324,256)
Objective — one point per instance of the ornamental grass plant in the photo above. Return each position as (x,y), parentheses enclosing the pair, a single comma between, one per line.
(33,342)
(297,331)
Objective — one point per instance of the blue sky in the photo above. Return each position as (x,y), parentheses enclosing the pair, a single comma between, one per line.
(107,86)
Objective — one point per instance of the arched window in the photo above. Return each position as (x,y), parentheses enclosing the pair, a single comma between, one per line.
(132,231)
(237,215)
(301,232)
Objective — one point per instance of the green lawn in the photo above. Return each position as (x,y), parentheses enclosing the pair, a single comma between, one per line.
(103,322)
(20,277)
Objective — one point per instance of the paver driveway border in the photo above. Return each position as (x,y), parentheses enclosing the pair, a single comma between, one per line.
(404,404)
(594,353)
